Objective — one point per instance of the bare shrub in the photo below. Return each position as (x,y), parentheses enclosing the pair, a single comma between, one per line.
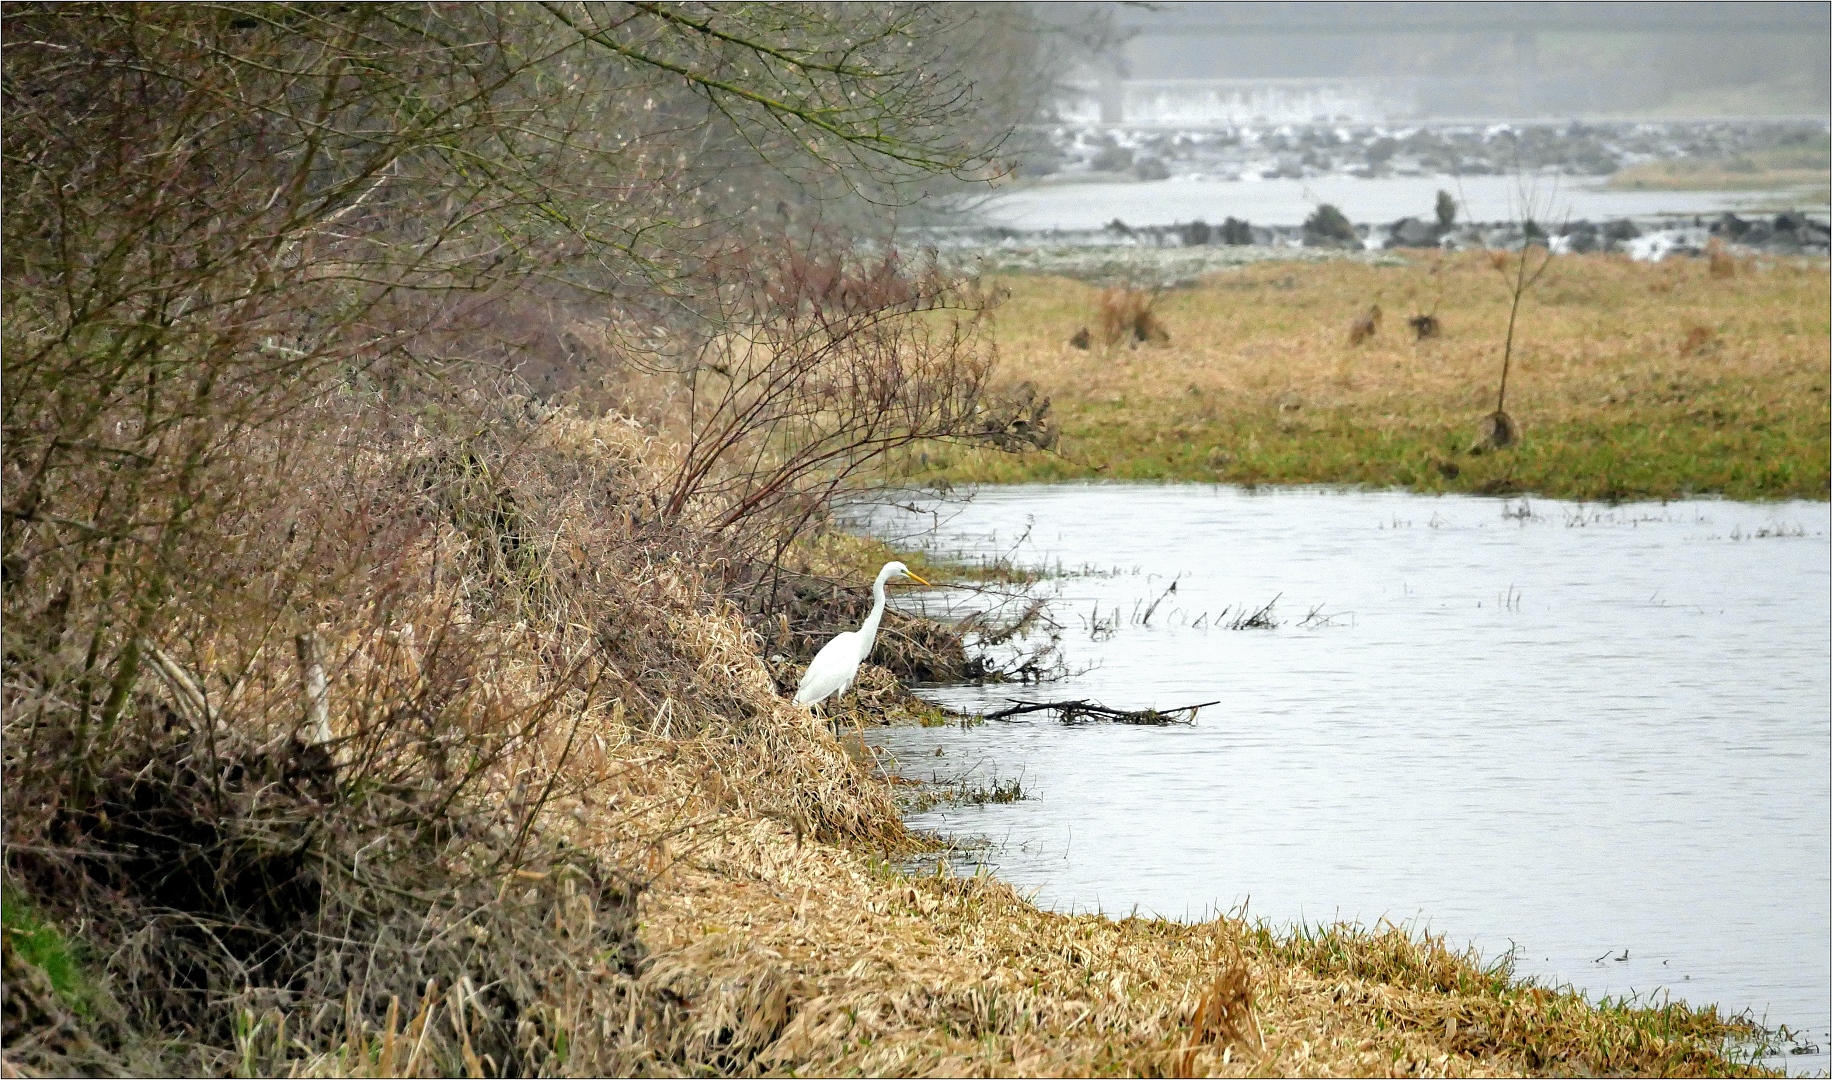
(820,364)
(1327,226)
(269,273)
(1520,271)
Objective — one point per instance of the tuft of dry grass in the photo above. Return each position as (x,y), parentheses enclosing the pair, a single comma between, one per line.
(1719,259)
(1365,325)
(1254,390)
(1128,315)
(1699,339)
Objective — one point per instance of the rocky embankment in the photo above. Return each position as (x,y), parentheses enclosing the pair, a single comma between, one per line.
(1790,233)
(1182,252)
(1311,151)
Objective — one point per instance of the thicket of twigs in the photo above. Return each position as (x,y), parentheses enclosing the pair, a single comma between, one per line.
(403,408)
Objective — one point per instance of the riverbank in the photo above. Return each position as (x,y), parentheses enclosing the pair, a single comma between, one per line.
(1315,151)
(1799,166)
(811,958)
(706,882)
(1629,380)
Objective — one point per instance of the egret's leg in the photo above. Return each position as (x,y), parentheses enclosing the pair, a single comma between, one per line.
(820,713)
(837,695)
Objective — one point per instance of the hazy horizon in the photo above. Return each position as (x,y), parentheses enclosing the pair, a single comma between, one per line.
(1504,60)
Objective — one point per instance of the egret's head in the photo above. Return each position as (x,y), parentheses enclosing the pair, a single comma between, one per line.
(895,570)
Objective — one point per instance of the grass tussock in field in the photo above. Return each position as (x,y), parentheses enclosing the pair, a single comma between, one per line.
(1629,380)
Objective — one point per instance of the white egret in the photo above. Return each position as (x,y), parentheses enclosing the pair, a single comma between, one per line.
(837,664)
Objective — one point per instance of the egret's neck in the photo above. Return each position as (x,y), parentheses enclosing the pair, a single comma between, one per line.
(868,633)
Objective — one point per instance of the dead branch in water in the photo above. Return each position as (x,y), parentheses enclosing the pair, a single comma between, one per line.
(1082,712)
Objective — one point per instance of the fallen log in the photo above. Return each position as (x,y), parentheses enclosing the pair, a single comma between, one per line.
(1082,711)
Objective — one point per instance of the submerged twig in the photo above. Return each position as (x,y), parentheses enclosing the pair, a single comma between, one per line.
(1081,712)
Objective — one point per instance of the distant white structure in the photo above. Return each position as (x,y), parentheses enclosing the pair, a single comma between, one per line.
(1205,102)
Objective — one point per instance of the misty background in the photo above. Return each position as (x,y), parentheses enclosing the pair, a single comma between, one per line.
(1185,63)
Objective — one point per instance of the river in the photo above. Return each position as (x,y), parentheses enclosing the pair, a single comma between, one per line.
(1596,735)
(1550,199)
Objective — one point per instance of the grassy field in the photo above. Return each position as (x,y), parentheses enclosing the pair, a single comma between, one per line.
(1801,167)
(1629,380)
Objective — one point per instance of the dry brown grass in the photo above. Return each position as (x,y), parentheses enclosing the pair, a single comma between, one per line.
(530,697)
(820,960)
(773,933)
(1257,384)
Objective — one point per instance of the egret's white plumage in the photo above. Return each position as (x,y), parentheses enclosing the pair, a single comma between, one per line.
(837,664)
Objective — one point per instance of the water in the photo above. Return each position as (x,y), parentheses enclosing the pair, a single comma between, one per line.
(1585,732)
(1090,205)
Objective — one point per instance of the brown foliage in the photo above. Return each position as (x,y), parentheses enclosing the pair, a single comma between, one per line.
(256,392)
(503,641)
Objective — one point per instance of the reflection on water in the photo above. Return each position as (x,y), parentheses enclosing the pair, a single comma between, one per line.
(1598,735)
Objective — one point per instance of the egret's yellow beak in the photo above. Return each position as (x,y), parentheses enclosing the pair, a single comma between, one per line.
(913,576)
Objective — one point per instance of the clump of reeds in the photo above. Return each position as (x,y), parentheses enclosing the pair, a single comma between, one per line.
(1127,314)
(1225,1015)
(1260,618)
(995,792)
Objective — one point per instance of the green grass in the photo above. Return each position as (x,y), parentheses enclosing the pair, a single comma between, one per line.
(1569,459)
(1630,381)
(45,947)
